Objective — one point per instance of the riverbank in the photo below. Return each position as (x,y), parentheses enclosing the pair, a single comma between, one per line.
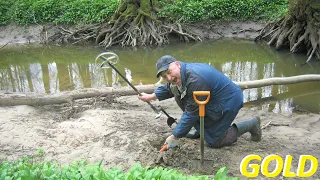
(17,35)
(122,131)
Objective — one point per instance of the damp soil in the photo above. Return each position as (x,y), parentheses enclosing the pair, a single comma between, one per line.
(122,131)
(13,34)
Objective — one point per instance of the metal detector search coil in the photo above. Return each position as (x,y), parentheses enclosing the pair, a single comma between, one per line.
(106,57)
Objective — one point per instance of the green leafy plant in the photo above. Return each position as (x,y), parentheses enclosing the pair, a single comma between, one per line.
(46,10)
(222,174)
(22,12)
(5,7)
(97,11)
(87,11)
(193,10)
(58,11)
(35,167)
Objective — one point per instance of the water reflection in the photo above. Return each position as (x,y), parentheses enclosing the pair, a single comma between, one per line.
(53,78)
(36,77)
(96,79)
(238,71)
(75,76)
(284,106)
(18,79)
(268,72)
(249,62)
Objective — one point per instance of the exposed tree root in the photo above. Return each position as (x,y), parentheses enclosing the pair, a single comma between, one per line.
(149,32)
(134,23)
(298,30)
(83,34)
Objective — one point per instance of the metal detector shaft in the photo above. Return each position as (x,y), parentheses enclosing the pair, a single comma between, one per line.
(134,88)
(165,112)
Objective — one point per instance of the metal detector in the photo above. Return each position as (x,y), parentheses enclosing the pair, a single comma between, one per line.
(109,59)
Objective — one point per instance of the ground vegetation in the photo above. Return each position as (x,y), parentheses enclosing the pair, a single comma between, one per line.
(133,22)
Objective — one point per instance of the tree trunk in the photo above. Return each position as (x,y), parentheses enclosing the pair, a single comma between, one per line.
(299,30)
(11,99)
(134,23)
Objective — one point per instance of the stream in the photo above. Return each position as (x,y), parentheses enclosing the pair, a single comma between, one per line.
(52,69)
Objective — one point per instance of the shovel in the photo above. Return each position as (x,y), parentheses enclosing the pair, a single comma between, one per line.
(201,114)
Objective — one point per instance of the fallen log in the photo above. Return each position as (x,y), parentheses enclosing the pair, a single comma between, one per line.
(36,99)
(278,81)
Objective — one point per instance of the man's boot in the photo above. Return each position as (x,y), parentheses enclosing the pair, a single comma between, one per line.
(252,126)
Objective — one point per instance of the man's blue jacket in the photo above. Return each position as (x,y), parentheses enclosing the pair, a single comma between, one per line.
(225,97)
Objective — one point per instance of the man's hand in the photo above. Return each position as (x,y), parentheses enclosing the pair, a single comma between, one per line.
(147,97)
(173,141)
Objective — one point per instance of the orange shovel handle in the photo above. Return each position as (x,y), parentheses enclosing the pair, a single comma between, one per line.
(201,103)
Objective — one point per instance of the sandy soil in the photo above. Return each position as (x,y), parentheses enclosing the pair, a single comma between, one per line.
(122,131)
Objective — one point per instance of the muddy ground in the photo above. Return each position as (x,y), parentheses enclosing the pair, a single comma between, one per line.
(122,131)
(16,35)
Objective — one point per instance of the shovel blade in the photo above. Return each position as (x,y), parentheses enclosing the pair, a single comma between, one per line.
(197,165)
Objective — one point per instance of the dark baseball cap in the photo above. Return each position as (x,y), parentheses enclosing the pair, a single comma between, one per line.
(163,63)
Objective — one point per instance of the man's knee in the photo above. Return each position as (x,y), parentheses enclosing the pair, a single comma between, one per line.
(228,138)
